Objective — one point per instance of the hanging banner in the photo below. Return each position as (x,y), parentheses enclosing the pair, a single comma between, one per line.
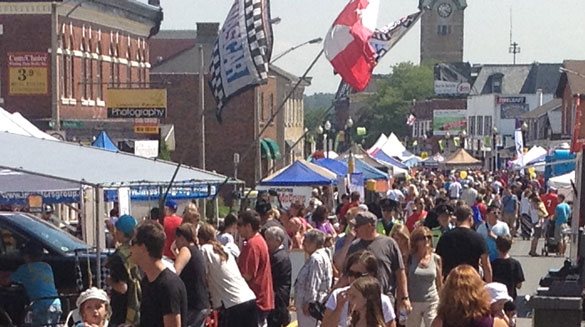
(290,194)
(136,103)
(356,184)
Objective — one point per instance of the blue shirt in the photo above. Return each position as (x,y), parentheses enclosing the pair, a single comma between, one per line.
(37,279)
(562,213)
(509,203)
(499,229)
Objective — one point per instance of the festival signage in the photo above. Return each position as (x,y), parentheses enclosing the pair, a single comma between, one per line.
(290,195)
(28,73)
(452,121)
(136,103)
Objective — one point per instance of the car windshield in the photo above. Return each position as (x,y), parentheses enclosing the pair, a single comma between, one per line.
(51,236)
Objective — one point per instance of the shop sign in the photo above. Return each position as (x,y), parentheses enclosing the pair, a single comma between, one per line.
(136,103)
(28,73)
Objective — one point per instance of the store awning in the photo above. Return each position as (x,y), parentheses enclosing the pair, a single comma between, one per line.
(269,149)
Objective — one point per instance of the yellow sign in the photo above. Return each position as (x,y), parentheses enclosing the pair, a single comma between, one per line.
(136,98)
(28,73)
(146,129)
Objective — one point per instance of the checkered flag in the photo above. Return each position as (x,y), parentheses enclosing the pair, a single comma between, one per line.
(386,37)
(242,51)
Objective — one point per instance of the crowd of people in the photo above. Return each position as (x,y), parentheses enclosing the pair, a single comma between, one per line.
(433,251)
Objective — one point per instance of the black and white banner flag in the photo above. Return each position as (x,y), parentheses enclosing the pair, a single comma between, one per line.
(242,51)
(386,37)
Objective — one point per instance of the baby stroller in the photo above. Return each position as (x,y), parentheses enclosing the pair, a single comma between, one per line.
(551,245)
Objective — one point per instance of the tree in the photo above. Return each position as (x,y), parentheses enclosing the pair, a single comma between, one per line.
(390,106)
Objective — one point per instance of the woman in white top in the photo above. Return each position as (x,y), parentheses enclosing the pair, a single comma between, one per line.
(229,291)
(337,308)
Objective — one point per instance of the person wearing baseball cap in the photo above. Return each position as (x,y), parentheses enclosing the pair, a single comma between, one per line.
(389,210)
(391,273)
(170,224)
(124,275)
(94,308)
(444,213)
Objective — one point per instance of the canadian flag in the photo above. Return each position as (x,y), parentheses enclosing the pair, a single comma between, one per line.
(347,44)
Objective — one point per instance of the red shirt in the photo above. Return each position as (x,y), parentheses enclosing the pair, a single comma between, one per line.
(414,218)
(551,201)
(346,208)
(254,261)
(170,225)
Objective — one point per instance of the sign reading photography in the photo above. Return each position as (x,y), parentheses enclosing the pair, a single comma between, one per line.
(136,103)
(27,73)
(452,121)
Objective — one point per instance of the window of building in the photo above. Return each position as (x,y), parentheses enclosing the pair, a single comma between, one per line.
(271,104)
(99,72)
(443,29)
(415,129)
(496,82)
(487,125)
(480,125)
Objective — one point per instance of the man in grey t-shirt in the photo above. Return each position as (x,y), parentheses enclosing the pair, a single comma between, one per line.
(391,271)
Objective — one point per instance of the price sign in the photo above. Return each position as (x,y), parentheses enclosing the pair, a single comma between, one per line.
(28,73)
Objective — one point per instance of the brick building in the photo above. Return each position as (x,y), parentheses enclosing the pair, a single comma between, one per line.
(571,87)
(57,58)
(176,63)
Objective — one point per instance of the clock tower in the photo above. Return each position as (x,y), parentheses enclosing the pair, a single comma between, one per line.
(441,35)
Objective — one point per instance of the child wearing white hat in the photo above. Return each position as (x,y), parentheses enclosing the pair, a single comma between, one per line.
(499,294)
(94,308)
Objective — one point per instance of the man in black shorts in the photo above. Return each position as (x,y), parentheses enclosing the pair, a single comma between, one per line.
(164,298)
(463,245)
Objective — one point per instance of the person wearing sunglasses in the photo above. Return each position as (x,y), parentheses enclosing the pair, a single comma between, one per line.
(358,264)
(424,278)
(491,229)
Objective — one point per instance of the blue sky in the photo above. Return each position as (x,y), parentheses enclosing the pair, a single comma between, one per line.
(548,31)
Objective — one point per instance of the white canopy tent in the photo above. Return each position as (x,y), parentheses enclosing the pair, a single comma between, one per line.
(564,184)
(379,143)
(96,168)
(394,148)
(534,155)
(16,124)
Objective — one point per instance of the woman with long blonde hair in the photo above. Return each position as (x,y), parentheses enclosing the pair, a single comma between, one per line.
(401,235)
(464,302)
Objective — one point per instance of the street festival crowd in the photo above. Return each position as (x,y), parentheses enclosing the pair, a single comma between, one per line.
(433,250)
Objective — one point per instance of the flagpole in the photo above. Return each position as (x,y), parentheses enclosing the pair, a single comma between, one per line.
(272,117)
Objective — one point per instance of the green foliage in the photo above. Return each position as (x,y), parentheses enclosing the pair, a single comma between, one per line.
(318,101)
(163,151)
(314,118)
(390,106)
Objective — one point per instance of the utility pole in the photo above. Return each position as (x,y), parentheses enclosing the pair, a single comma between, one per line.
(202,117)
(514,46)
(55,110)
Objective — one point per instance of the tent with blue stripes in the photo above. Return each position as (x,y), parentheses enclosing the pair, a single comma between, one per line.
(300,173)
(367,170)
(382,156)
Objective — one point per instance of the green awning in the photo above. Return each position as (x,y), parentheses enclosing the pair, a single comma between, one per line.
(269,149)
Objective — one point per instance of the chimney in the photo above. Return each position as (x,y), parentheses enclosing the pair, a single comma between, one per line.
(155,3)
(207,29)
(539,93)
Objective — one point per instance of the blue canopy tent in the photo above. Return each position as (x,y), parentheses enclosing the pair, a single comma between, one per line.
(368,171)
(300,173)
(336,166)
(103,141)
(382,156)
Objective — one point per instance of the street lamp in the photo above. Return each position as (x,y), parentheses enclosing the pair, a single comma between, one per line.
(313,41)
(524,129)
(495,147)
(327,127)
(447,138)
(462,136)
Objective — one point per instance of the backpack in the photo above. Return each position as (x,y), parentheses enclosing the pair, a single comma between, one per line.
(134,292)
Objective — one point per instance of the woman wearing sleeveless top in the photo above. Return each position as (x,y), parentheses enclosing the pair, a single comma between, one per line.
(424,278)
(464,302)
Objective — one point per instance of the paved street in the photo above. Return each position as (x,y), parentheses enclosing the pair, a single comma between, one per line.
(534,268)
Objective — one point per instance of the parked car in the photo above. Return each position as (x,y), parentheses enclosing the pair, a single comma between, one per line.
(73,261)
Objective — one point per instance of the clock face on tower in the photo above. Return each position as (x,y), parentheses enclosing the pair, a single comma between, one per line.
(444,10)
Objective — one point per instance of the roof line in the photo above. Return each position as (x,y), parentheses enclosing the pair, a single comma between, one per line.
(83,182)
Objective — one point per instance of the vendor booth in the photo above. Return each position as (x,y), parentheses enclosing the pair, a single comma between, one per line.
(295,182)
(96,170)
(460,159)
